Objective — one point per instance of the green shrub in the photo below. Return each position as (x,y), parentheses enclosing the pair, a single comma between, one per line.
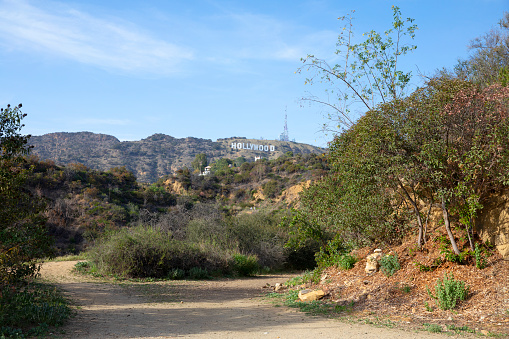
(245,265)
(142,252)
(389,264)
(198,273)
(347,262)
(272,188)
(480,259)
(176,274)
(449,292)
(30,310)
(334,253)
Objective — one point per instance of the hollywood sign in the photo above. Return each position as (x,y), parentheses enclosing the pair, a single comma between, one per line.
(253,147)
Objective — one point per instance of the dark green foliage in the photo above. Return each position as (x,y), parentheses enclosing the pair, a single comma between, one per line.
(23,234)
(239,161)
(177,274)
(389,264)
(199,273)
(272,188)
(335,254)
(200,162)
(29,310)
(245,265)
(480,257)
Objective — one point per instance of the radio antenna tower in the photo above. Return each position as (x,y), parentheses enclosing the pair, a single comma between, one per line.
(284,136)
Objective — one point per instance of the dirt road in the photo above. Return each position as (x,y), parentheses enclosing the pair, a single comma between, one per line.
(194,309)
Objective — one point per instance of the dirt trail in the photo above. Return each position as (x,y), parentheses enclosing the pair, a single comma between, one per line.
(193,309)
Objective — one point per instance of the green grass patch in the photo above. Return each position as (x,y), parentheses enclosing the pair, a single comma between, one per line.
(432,328)
(307,277)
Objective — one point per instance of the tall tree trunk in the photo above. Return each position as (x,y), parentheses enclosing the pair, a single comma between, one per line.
(420,237)
(448,228)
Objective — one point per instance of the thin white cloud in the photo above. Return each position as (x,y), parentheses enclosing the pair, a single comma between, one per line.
(72,34)
(246,36)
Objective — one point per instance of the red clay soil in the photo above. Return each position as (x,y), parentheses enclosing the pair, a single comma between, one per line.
(402,297)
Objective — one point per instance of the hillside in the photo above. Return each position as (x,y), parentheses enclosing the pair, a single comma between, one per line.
(155,156)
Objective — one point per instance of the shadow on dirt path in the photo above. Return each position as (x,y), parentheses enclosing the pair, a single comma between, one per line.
(195,309)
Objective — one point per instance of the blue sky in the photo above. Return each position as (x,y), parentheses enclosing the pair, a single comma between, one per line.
(208,69)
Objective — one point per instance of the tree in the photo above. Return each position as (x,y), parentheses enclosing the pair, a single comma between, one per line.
(369,74)
(466,154)
(23,235)
(489,62)
(200,162)
(239,161)
(221,165)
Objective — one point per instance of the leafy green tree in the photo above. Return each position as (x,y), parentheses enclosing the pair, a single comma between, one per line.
(200,162)
(369,72)
(23,235)
(468,157)
(222,164)
(239,161)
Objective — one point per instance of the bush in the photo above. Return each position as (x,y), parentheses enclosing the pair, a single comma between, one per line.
(347,262)
(389,264)
(480,258)
(245,265)
(334,253)
(177,274)
(449,292)
(147,252)
(272,188)
(198,273)
(255,234)
(28,311)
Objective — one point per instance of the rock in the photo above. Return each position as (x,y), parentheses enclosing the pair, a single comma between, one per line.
(309,295)
(372,264)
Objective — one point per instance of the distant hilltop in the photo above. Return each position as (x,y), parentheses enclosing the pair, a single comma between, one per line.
(157,155)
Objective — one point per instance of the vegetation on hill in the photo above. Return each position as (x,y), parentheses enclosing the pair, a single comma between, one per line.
(83,204)
(153,157)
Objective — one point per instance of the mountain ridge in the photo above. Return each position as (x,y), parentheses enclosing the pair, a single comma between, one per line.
(155,156)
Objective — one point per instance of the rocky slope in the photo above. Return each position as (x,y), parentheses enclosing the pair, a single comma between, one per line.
(155,156)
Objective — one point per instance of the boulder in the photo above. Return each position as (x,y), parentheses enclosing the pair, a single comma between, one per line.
(310,295)
(278,287)
(372,264)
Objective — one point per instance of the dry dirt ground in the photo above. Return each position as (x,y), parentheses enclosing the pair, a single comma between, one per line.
(233,308)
